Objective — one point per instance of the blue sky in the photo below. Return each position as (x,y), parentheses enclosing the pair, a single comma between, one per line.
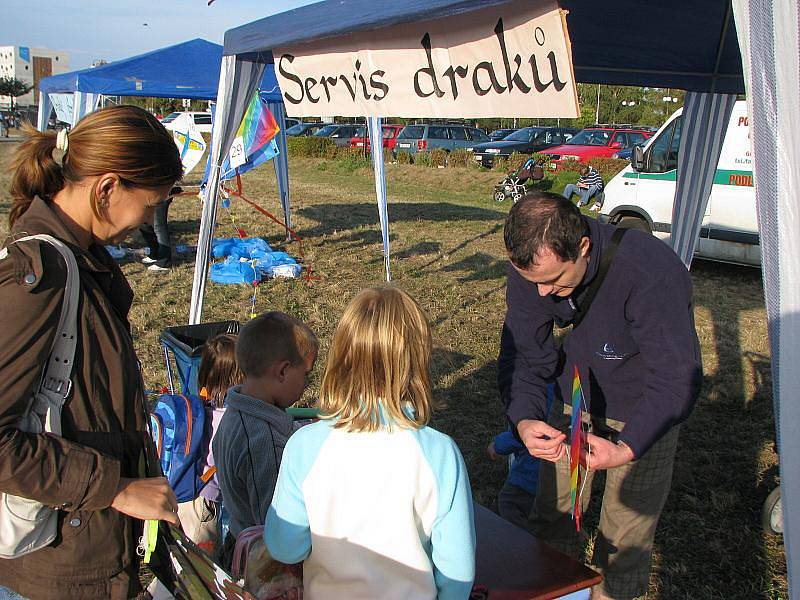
(114,29)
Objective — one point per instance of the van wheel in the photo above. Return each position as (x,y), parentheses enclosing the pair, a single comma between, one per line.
(772,513)
(634,223)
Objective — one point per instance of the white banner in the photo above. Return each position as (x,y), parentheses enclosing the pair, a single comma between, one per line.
(512,60)
(63,105)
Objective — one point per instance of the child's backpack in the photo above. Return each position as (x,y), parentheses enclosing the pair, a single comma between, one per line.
(179,429)
(263,576)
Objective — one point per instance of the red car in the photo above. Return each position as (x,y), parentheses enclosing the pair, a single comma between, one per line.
(390,133)
(599,141)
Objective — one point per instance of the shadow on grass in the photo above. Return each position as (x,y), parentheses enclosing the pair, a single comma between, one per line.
(719,484)
(421,249)
(335,217)
(483,267)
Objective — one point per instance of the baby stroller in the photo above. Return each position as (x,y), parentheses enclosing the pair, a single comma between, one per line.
(513,186)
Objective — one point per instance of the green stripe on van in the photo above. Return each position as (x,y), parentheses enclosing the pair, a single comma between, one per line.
(721,177)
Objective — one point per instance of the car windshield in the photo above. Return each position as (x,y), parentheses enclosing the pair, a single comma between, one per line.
(591,137)
(523,135)
(326,131)
(412,132)
(296,129)
(170,117)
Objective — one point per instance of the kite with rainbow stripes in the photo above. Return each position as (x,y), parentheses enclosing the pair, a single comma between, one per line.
(577,439)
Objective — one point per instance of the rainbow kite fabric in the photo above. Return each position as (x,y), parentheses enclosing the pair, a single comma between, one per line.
(576,442)
(255,141)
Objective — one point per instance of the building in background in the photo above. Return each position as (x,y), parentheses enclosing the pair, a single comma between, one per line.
(30,65)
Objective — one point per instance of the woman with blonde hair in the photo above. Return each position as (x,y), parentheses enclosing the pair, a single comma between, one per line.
(375,502)
(87,188)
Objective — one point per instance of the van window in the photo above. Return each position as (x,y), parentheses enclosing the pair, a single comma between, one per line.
(412,132)
(202,119)
(437,133)
(477,135)
(458,133)
(663,152)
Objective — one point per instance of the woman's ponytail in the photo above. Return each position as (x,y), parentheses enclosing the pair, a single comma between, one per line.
(126,140)
(35,171)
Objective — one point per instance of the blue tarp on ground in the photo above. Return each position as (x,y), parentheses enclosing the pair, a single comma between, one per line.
(187,70)
(673,44)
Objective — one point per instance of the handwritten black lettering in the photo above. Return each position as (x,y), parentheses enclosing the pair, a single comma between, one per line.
(488,67)
(310,83)
(291,77)
(377,84)
(514,79)
(429,71)
(349,87)
(557,84)
(451,73)
(328,81)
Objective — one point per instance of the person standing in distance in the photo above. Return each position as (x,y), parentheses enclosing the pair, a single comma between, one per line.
(639,358)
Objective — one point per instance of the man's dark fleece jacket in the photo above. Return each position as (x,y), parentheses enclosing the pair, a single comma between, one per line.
(636,349)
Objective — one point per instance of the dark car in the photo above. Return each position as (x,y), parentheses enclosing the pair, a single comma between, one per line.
(302,129)
(500,134)
(340,134)
(526,141)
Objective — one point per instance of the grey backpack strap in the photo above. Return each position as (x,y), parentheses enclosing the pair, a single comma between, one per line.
(56,382)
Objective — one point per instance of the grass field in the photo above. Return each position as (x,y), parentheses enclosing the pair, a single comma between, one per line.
(446,236)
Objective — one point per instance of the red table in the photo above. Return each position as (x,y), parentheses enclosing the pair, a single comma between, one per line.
(514,565)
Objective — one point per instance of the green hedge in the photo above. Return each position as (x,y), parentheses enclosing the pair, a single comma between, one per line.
(311,146)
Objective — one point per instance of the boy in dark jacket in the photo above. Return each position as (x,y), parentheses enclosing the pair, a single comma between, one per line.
(276,353)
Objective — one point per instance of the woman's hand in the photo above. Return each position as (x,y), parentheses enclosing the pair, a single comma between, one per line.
(147,498)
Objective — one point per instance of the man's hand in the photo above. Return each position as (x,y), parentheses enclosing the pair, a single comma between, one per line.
(147,498)
(606,455)
(542,440)
(492,452)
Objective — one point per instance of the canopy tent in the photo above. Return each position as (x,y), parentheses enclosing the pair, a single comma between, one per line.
(677,44)
(186,70)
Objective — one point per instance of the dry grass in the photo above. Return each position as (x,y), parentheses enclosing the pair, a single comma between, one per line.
(446,236)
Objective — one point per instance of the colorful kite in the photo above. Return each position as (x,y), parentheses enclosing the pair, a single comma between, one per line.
(254,143)
(577,440)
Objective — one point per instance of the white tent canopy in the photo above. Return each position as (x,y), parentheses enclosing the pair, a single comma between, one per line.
(678,44)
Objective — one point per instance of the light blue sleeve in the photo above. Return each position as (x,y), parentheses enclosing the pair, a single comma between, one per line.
(453,534)
(287,535)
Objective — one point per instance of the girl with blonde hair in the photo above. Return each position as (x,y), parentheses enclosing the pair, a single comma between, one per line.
(87,188)
(375,502)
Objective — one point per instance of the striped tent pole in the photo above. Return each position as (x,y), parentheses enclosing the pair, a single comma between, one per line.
(768,32)
(376,145)
(703,125)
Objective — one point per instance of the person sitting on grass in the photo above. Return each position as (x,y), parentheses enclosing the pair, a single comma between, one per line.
(375,502)
(589,184)
(276,353)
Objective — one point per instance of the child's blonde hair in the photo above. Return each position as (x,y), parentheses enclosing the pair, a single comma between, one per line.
(218,368)
(378,364)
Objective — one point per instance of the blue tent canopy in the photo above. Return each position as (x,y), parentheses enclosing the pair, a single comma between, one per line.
(677,44)
(187,70)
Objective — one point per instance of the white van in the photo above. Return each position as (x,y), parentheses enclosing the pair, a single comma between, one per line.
(643,199)
(201,119)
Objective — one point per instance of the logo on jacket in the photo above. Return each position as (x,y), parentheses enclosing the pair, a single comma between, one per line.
(608,353)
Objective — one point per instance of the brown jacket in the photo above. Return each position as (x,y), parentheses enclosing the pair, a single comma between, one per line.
(104,420)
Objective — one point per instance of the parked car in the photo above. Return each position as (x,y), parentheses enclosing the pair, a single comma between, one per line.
(388,131)
(201,119)
(598,141)
(526,140)
(623,154)
(341,134)
(290,122)
(500,134)
(421,138)
(303,129)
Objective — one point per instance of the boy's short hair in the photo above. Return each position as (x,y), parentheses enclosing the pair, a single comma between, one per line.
(543,221)
(584,170)
(272,337)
